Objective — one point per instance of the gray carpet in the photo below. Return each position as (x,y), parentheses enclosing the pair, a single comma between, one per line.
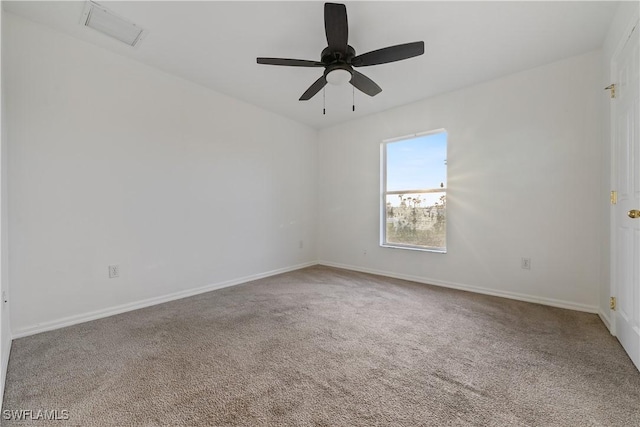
(329,347)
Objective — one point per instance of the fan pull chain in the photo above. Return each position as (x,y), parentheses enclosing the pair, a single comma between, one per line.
(353,98)
(324,101)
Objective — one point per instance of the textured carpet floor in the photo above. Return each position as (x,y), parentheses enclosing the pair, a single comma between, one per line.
(328,347)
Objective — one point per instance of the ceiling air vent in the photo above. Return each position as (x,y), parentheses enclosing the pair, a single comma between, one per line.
(101,19)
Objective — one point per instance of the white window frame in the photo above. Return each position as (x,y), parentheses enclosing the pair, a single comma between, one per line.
(384,193)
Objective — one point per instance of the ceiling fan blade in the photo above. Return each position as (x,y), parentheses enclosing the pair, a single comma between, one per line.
(364,84)
(290,62)
(336,26)
(389,54)
(313,89)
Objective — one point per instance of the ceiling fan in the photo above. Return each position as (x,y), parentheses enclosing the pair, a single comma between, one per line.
(338,58)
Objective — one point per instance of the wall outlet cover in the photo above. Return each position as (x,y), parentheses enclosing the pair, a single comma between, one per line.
(114,271)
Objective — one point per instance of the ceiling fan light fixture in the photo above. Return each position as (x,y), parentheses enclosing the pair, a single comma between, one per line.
(339,76)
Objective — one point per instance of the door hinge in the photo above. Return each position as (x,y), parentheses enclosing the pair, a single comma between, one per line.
(612,88)
(614,197)
(612,303)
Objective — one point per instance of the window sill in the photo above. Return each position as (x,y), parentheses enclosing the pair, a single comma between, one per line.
(414,248)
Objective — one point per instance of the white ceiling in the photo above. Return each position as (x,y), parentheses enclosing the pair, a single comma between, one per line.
(215,44)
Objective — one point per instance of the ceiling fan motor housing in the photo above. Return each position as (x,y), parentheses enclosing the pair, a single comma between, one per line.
(329,56)
(338,65)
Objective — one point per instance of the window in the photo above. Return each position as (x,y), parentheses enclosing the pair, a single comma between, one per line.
(414,192)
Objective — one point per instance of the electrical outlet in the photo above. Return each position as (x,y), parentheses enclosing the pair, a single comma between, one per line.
(114,271)
(301,244)
(526,263)
(364,252)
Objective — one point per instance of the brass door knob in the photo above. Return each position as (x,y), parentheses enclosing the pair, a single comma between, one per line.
(634,213)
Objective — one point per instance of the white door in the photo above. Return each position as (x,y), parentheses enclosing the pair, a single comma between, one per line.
(626,215)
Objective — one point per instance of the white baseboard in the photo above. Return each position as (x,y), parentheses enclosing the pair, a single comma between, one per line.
(99,314)
(606,320)
(463,287)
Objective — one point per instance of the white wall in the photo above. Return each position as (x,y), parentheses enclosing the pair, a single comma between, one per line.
(524,181)
(626,16)
(5,329)
(114,162)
